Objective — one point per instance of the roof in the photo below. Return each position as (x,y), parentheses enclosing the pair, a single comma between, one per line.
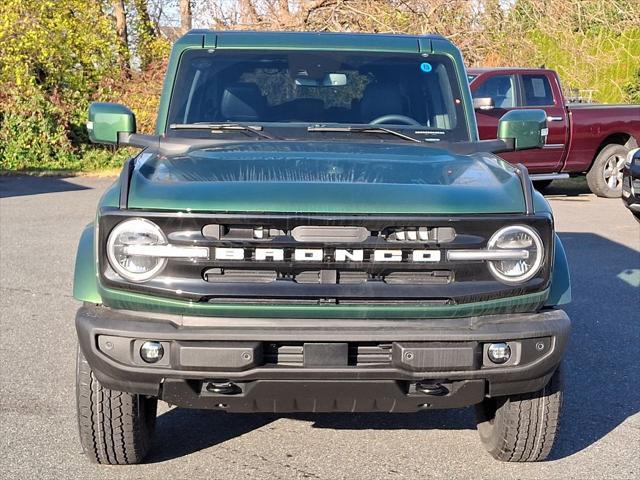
(317,40)
(479,70)
(299,34)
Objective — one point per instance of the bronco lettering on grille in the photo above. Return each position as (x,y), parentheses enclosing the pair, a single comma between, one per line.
(320,255)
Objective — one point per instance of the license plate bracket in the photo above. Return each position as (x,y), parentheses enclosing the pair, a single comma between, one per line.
(325,354)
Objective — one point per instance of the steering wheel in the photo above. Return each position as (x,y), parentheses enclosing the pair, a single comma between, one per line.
(391,118)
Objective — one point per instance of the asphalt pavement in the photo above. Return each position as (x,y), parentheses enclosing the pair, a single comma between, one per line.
(40,223)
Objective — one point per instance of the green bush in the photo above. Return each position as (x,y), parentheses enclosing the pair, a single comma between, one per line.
(32,133)
(37,134)
(632,89)
(53,54)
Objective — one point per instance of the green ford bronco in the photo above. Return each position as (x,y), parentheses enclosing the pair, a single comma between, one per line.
(316,227)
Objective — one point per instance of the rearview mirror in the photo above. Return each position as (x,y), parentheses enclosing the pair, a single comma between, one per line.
(107,120)
(525,128)
(483,103)
(329,80)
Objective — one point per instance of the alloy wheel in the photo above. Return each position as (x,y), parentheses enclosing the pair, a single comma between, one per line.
(613,171)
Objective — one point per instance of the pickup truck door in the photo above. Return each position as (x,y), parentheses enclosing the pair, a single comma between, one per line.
(503,90)
(534,90)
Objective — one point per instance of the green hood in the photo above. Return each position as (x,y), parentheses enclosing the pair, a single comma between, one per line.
(325,177)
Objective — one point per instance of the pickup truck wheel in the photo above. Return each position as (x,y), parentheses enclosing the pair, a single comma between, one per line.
(605,176)
(115,427)
(521,428)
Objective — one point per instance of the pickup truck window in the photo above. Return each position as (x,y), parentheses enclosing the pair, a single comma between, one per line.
(500,88)
(291,87)
(537,91)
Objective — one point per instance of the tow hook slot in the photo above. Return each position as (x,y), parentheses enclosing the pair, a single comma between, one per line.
(433,389)
(222,387)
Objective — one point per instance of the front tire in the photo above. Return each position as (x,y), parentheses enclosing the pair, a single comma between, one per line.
(521,428)
(115,427)
(605,176)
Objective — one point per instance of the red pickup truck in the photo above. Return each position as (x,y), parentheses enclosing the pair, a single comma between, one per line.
(583,138)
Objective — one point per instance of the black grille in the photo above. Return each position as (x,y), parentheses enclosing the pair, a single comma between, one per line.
(328,281)
(344,277)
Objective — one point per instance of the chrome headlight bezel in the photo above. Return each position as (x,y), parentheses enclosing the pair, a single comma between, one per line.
(535,266)
(136,226)
(630,154)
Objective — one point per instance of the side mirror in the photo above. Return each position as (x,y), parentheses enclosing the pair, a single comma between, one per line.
(483,103)
(107,120)
(526,129)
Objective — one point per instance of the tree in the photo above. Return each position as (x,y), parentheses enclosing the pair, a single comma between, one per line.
(120,16)
(57,55)
(185,16)
(146,34)
(52,57)
(248,13)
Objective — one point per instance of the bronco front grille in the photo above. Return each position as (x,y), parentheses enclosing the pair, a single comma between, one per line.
(324,259)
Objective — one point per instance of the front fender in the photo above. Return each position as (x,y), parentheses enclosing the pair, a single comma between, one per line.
(560,293)
(85,278)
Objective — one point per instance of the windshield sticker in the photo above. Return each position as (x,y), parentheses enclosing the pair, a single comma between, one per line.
(426,67)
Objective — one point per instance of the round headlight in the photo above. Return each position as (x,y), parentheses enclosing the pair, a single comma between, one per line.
(135,232)
(517,238)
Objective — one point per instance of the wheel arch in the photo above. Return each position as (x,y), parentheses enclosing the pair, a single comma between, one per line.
(618,138)
(560,293)
(85,277)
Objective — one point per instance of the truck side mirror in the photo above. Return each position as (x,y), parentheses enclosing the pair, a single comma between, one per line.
(483,103)
(526,129)
(107,120)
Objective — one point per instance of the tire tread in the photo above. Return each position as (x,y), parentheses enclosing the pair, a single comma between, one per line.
(525,426)
(115,427)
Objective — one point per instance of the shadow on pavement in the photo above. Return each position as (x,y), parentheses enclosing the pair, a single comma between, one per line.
(455,419)
(601,368)
(571,187)
(18,186)
(182,431)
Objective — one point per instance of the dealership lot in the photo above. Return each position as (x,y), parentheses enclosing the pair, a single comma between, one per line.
(40,223)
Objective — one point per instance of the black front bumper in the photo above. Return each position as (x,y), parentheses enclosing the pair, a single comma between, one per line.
(288,365)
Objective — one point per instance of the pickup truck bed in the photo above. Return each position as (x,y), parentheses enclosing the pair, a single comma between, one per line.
(589,139)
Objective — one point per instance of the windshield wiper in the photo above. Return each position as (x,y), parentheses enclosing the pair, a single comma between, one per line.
(257,129)
(352,129)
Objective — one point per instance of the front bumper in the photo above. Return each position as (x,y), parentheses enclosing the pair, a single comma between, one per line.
(286,365)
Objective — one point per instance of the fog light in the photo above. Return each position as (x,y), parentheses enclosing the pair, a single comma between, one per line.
(499,352)
(151,352)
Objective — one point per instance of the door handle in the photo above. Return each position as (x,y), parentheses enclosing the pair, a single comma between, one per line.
(551,118)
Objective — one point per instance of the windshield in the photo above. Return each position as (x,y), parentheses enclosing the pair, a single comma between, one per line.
(289,88)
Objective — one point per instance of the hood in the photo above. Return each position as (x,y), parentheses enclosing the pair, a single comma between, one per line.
(325,177)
